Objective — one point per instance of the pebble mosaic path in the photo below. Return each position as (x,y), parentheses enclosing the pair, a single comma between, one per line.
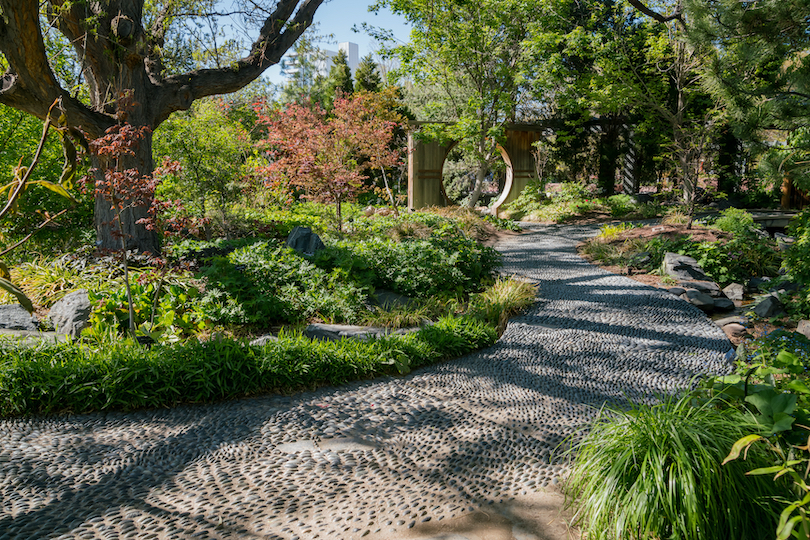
(391,458)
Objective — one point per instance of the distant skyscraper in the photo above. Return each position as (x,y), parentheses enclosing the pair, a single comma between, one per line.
(321,60)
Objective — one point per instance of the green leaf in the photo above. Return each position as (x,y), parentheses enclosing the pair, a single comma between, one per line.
(797,385)
(56,188)
(17,293)
(739,445)
(766,470)
(782,422)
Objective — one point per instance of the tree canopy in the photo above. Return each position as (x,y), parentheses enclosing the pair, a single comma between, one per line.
(470,54)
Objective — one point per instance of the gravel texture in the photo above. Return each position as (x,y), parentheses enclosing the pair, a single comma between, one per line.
(374,458)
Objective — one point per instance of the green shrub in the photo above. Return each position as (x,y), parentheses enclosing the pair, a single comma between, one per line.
(735,221)
(165,310)
(771,382)
(443,264)
(530,199)
(572,191)
(798,255)
(621,205)
(655,472)
(269,282)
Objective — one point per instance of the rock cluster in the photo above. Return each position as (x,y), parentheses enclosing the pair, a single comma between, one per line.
(694,285)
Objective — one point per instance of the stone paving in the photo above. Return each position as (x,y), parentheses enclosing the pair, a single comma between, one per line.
(447,452)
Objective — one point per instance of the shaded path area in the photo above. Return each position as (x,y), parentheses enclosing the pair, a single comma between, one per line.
(465,449)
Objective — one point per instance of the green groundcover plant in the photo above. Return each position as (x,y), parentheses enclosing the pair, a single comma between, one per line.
(655,472)
(76,377)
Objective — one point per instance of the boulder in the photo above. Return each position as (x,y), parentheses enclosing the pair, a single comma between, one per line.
(783,241)
(303,240)
(15,317)
(71,314)
(759,283)
(709,287)
(734,291)
(389,300)
(336,332)
(677,291)
(723,304)
(700,300)
(804,328)
(683,268)
(734,331)
(770,306)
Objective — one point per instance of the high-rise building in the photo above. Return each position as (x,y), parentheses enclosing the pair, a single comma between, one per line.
(321,60)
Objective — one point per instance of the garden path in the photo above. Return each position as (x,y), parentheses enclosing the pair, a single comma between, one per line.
(460,450)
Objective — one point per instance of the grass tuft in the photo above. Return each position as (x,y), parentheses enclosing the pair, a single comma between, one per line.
(655,472)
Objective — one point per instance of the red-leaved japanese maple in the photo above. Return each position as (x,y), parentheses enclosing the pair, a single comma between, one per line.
(326,156)
(125,187)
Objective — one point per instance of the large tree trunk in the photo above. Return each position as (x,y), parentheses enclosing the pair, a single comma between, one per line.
(119,54)
(135,235)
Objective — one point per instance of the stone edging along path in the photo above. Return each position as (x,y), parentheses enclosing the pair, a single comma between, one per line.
(463,449)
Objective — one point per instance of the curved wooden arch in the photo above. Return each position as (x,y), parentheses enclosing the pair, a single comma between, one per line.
(426,161)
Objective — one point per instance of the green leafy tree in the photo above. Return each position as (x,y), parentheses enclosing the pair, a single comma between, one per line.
(339,82)
(23,178)
(366,77)
(119,45)
(304,83)
(213,150)
(468,56)
(759,68)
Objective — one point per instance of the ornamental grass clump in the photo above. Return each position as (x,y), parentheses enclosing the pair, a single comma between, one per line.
(654,472)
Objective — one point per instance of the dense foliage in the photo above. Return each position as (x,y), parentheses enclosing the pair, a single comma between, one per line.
(655,472)
(122,375)
(743,254)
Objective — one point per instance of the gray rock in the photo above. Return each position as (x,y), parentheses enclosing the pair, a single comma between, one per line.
(804,328)
(758,283)
(783,241)
(709,287)
(263,340)
(699,299)
(677,291)
(15,317)
(71,314)
(683,268)
(770,306)
(734,291)
(723,304)
(389,300)
(786,286)
(336,332)
(734,319)
(303,240)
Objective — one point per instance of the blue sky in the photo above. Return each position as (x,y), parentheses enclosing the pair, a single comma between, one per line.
(339,16)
